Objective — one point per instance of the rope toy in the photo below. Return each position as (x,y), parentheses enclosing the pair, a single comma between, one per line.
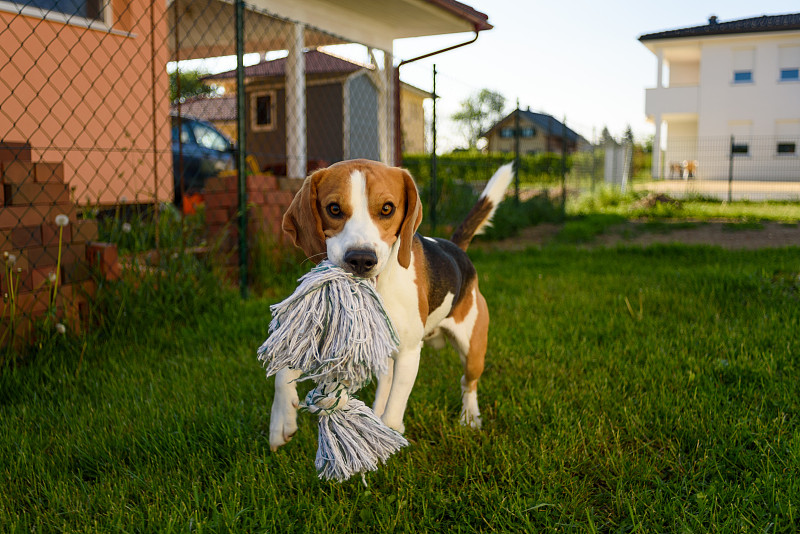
(335,330)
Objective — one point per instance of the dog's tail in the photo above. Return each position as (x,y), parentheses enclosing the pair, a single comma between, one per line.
(482,212)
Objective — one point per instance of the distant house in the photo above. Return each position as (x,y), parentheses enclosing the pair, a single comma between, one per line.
(739,78)
(342,110)
(539,133)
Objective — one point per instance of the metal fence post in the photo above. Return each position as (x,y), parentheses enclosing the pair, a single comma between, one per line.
(564,167)
(516,153)
(730,172)
(241,152)
(434,185)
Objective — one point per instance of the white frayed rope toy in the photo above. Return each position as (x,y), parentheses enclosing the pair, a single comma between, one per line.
(335,330)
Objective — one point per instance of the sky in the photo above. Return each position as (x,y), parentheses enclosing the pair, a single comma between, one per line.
(577,59)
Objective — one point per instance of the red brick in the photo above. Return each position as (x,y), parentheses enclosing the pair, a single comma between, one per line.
(26,236)
(218,215)
(20,263)
(280,198)
(84,230)
(32,304)
(75,272)
(47,256)
(256,197)
(50,234)
(17,172)
(11,217)
(221,199)
(261,182)
(221,183)
(22,281)
(104,257)
(40,277)
(11,151)
(44,171)
(5,240)
(36,194)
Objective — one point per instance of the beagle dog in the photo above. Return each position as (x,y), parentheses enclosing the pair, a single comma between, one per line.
(363,216)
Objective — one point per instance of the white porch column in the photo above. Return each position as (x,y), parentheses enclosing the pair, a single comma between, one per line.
(660,71)
(655,170)
(296,145)
(387,150)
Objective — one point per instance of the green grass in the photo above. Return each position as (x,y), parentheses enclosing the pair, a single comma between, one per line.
(609,201)
(626,390)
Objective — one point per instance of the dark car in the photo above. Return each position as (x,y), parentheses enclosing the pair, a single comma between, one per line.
(199,151)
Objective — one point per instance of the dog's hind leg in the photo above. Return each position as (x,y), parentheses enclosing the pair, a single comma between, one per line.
(469,337)
(283,418)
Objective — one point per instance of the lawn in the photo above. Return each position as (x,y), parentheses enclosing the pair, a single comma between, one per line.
(650,390)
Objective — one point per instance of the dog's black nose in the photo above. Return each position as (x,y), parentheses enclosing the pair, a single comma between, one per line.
(360,261)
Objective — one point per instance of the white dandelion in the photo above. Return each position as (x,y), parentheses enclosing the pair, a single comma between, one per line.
(62,220)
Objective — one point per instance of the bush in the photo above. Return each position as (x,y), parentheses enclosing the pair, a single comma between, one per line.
(476,167)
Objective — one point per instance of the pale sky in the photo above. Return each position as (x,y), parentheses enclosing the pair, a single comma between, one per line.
(579,59)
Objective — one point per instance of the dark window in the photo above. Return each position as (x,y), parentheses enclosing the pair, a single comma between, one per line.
(740,148)
(528,132)
(88,9)
(787,148)
(264,110)
(743,76)
(790,75)
(506,132)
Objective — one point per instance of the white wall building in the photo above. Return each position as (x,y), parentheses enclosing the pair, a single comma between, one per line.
(723,79)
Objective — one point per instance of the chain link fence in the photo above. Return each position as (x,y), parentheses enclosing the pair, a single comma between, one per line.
(128,130)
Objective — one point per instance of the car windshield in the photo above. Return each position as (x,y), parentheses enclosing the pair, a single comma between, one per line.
(208,138)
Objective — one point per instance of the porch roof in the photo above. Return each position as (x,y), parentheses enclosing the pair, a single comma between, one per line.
(207,29)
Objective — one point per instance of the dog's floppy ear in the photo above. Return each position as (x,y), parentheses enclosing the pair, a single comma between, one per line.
(302,221)
(411,221)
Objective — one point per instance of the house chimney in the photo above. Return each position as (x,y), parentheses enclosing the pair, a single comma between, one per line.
(712,20)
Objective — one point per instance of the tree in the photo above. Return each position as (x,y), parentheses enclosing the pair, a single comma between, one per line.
(191,84)
(478,113)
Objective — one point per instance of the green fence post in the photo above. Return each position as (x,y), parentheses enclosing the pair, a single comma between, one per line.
(241,152)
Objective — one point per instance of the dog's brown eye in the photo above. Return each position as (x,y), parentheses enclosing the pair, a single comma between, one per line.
(335,210)
(387,209)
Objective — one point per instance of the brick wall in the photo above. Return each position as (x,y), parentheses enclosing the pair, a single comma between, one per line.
(32,194)
(267,200)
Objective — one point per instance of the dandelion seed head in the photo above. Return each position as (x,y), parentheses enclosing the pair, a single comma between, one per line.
(11,259)
(126,227)
(62,220)
(51,277)
(60,328)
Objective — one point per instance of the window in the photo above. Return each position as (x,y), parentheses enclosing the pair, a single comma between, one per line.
(262,111)
(789,63)
(743,64)
(87,9)
(208,138)
(528,132)
(788,133)
(506,132)
(740,148)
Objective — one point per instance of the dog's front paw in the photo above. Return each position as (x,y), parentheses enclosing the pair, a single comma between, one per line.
(395,424)
(282,422)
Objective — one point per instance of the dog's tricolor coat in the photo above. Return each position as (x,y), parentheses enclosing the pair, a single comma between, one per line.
(363,216)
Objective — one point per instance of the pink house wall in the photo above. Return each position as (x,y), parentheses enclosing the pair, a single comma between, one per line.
(96,100)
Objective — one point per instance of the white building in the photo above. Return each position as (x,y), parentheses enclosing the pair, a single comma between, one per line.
(723,79)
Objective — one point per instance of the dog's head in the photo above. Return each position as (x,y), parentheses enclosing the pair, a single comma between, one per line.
(356,213)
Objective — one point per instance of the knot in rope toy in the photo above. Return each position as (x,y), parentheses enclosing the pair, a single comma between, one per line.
(335,330)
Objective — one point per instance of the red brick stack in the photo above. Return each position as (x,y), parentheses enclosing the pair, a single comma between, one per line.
(266,201)
(32,195)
